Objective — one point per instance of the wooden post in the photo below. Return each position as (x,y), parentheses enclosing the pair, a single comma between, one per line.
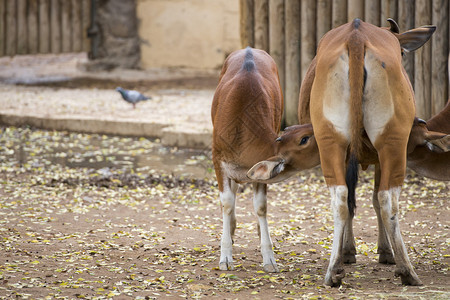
(372,12)
(308,40)
(247,22)
(339,13)
(2,27)
(292,14)
(55,21)
(276,37)
(323,23)
(21,26)
(86,22)
(439,44)
(422,68)
(355,10)
(11,29)
(388,10)
(32,27)
(262,24)
(66,33)
(44,26)
(406,22)
(77,36)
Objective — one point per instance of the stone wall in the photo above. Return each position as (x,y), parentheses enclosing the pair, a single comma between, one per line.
(187,33)
(147,34)
(114,36)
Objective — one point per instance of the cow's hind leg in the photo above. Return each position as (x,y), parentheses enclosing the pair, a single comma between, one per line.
(348,248)
(393,165)
(228,200)
(384,246)
(334,172)
(388,116)
(335,271)
(260,206)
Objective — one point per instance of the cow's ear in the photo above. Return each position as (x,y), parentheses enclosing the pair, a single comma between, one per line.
(266,169)
(393,26)
(415,38)
(437,143)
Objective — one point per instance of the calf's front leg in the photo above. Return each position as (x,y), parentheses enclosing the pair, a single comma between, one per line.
(260,206)
(228,200)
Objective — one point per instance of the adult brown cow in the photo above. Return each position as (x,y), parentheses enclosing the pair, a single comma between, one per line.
(362,97)
(362,109)
(428,155)
(246,114)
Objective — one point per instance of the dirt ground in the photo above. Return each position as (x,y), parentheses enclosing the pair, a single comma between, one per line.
(141,234)
(134,232)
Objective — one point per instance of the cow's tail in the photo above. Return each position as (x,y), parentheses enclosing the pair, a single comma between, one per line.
(351,179)
(356,76)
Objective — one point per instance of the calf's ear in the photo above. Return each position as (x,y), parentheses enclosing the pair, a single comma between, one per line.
(266,169)
(415,38)
(438,142)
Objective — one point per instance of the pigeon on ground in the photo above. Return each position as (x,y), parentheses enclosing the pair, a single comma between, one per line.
(132,97)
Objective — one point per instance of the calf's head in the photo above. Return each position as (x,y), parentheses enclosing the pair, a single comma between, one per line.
(420,136)
(296,150)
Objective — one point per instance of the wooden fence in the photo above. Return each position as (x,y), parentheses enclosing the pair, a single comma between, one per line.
(43,26)
(291,29)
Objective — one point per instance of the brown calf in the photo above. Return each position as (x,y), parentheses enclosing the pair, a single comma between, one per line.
(246,114)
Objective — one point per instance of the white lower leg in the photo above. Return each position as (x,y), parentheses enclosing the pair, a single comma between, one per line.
(384,247)
(389,213)
(260,206)
(335,272)
(227,198)
(348,248)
